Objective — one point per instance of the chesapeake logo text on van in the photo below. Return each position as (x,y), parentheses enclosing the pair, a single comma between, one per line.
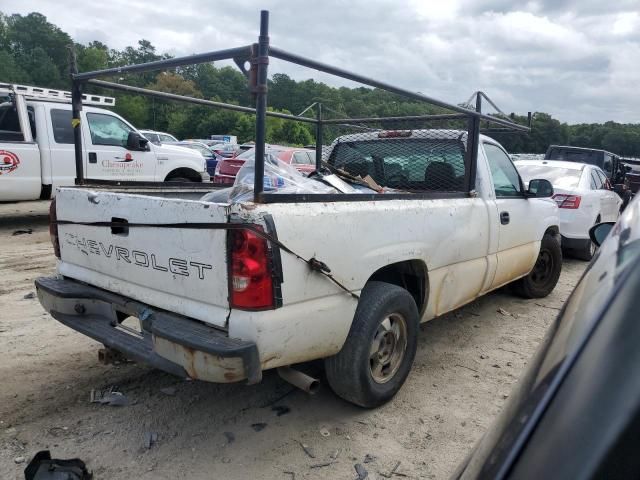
(177,266)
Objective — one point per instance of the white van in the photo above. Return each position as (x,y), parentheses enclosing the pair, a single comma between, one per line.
(37,149)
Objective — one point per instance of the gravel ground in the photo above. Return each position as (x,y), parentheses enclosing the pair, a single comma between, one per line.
(466,365)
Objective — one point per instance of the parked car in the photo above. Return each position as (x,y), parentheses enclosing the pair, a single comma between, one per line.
(610,163)
(302,159)
(37,146)
(209,155)
(158,138)
(226,150)
(583,194)
(576,411)
(224,291)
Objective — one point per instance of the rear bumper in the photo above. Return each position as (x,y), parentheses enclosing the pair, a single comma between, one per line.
(575,243)
(169,342)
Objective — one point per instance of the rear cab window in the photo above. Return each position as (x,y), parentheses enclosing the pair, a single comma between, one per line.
(61,124)
(409,164)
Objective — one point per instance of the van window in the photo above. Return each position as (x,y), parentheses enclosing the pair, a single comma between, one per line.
(61,124)
(10,124)
(108,130)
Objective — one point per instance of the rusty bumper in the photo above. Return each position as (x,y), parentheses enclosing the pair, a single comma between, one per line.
(169,342)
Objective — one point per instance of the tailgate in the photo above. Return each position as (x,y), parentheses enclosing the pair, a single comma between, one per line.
(177,269)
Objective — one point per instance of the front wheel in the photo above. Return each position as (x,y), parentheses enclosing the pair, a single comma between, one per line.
(378,354)
(545,274)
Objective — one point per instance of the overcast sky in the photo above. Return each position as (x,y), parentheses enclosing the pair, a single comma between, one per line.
(576,59)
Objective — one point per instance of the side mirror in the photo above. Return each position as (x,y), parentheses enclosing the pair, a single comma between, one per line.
(627,168)
(135,141)
(599,232)
(540,188)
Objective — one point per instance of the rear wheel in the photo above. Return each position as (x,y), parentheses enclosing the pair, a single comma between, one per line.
(545,274)
(378,354)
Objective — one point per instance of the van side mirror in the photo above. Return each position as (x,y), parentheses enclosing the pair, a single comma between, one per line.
(598,233)
(540,188)
(137,142)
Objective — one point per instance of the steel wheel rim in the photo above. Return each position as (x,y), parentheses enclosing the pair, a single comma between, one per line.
(543,268)
(592,249)
(388,348)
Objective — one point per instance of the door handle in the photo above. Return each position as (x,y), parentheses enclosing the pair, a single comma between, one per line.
(93,157)
(504,218)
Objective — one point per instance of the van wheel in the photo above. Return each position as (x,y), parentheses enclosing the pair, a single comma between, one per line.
(377,356)
(545,274)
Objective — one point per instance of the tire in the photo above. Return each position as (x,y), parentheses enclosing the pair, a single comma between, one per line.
(386,318)
(588,251)
(541,281)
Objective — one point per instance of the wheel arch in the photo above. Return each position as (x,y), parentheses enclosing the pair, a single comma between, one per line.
(185,172)
(412,275)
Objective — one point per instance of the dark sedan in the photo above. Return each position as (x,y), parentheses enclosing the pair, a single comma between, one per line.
(576,412)
(209,155)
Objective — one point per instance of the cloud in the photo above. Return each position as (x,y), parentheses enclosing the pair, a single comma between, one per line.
(575,59)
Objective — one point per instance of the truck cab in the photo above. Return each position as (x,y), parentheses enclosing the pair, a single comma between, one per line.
(37,146)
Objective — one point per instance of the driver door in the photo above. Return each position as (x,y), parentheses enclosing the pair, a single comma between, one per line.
(107,157)
(517,247)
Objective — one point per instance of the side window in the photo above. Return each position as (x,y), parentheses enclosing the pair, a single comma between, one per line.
(166,138)
(32,121)
(608,164)
(312,158)
(107,130)
(596,181)
(603,177)
(61,124)
(301,158)
(506,181)
(9,124)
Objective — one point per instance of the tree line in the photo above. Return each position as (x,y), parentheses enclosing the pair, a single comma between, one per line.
(34,51)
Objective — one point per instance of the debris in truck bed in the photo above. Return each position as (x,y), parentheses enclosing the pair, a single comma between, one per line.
(28,231)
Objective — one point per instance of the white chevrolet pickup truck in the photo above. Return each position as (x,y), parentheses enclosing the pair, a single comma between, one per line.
(37,149)
(224,291)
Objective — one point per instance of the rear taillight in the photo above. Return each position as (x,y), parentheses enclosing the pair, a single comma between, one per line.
(251,282)
(53,228)
(567,201)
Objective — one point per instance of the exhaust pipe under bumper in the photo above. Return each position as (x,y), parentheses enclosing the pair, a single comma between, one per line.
(298,379)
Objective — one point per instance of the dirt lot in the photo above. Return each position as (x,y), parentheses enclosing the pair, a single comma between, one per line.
(466,365)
